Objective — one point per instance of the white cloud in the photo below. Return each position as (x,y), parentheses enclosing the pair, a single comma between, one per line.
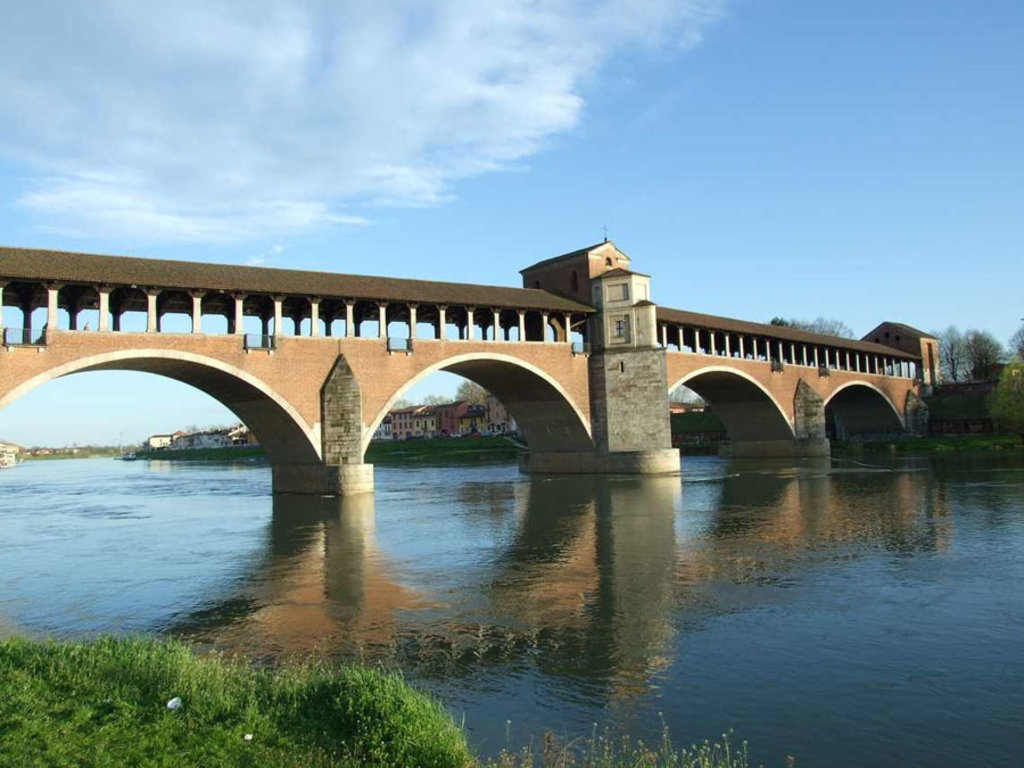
(221,121)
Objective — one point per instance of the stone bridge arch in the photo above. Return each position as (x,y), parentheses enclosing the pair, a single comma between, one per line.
(292,445)
(750,412)
(860,408)
(547,416)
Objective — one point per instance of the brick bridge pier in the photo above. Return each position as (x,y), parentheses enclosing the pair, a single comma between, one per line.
(580,356)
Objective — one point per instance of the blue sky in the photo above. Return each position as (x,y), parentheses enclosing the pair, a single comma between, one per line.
(853,160)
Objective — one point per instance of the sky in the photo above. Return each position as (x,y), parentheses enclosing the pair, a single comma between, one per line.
(859,161)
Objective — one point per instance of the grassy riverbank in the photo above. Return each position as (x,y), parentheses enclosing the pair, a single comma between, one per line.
(464,450)
(461,450)
(105,703)
(232,453)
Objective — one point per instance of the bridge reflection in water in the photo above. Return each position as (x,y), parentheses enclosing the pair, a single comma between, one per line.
(591,582)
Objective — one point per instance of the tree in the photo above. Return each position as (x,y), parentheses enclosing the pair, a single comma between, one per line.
(471,393)
(1017,344)
(1006,403)
(436,400)
(984,353)
(953,355)
(402,403)
(684,394)
(823,325)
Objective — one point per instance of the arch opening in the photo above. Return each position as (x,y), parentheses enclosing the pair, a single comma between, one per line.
(858,411)
(284,435)
(747,411)
(544,415)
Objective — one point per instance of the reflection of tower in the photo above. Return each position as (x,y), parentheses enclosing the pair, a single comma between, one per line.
(591,571)
(637,557)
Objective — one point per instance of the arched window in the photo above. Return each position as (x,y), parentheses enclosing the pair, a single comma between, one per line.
(608,261)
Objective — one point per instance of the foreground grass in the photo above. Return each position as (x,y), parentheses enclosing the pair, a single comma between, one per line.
(605,751)
(105,704)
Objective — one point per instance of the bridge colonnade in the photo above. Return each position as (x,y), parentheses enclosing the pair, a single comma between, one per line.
(310,316)
(842,355)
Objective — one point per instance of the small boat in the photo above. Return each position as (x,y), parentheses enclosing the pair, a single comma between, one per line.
(128,457)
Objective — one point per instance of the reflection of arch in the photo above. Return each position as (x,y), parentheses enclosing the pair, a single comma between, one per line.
(862,408)
(283,433)
(545,413)
(748,410)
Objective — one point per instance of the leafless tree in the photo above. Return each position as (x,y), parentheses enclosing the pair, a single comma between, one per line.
(953,355)
(823,325)
(471,393)
(984,353)
(1017,344)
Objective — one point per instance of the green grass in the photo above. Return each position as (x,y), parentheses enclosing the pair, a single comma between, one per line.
(443,450)
(105,704)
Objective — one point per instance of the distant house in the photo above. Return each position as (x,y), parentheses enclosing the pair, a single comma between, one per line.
(218,438)
(447,417)
(159,442)
(384,430)
(499,421)
(474,420)
(242,435)
(8,454)
(413,422)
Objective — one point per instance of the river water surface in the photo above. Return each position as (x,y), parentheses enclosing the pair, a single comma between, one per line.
(852,613)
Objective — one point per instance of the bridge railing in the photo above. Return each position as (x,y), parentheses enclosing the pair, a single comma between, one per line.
(258,341)
(24,337)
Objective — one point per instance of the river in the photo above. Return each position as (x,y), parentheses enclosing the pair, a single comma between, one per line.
(856,613)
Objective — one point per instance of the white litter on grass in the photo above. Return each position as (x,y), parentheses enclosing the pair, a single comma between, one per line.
(174,703)
(248,737)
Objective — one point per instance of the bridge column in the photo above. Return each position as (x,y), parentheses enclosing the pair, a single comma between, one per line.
(314,318)
(350,329)
(278,316)
(238,324)
(52,296)
(522,325)
(412,320)
(342,432)
(152,320)
(2,286)
(494,324)
(442,321)
(382,319)
(544,327)
(470,323)
(197,310)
